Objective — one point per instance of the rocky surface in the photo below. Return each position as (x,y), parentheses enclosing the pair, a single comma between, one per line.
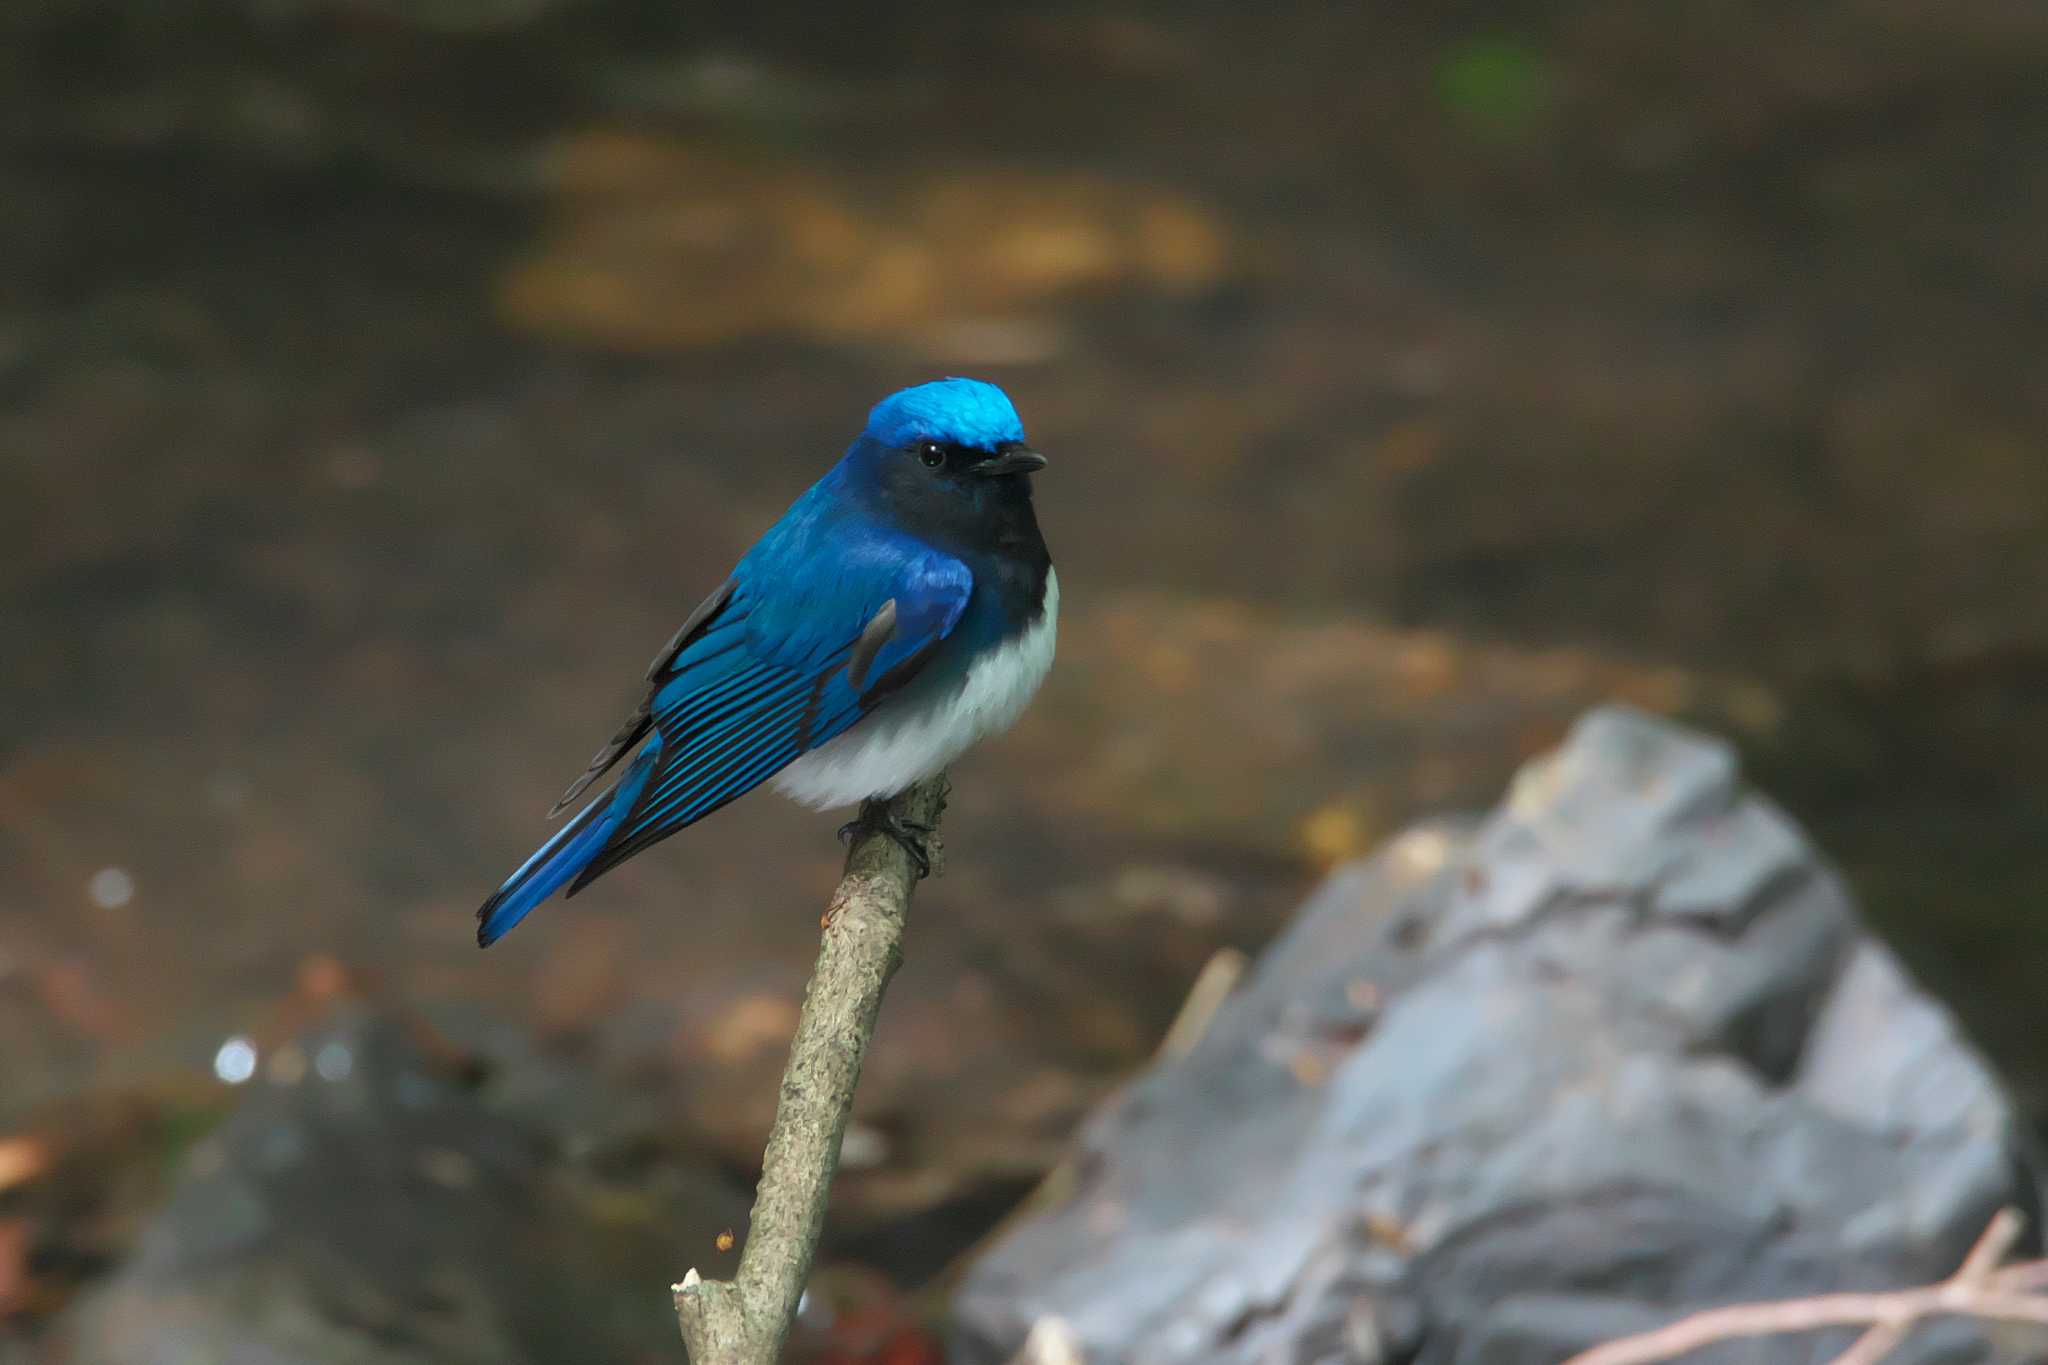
(363,1206)
(1509,1089)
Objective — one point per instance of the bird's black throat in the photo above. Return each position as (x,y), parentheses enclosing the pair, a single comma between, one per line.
(1013,568)
(988,523)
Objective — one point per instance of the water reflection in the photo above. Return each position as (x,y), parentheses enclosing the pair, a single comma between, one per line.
(236,1060)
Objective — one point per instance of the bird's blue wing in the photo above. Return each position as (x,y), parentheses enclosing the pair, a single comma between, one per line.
(788,661)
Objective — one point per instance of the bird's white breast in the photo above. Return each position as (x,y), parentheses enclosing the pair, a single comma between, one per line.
(905,741)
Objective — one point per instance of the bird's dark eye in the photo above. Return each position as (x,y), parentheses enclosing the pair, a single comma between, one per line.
(932,453)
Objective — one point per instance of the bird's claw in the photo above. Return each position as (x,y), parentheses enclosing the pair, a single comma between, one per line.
(910,836)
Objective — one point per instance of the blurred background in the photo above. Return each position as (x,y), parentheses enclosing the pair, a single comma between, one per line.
(382,380)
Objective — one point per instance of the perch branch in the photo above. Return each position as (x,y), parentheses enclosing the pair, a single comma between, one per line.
(1978,1289)
(745,1320)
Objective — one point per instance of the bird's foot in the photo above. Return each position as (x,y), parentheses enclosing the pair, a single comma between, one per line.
(911,837)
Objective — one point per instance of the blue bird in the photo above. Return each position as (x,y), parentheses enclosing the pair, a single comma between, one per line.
(903,608)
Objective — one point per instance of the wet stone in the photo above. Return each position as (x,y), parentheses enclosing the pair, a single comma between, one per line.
(1546,1110)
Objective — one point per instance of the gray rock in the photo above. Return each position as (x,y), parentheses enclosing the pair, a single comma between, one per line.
(1504,1091)
(362,1207)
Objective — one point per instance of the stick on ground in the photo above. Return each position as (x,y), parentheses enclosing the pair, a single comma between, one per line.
(1979,1289)
(745,1320)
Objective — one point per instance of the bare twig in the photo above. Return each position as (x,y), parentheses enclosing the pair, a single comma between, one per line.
(1873,1346)
(745,1320)
(1978,1289)
(1051,1342)
(1218,978)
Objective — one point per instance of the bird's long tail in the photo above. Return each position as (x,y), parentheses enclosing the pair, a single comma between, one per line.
(556,862)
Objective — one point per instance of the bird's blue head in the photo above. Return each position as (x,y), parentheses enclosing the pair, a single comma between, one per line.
(961,412)
(948,461)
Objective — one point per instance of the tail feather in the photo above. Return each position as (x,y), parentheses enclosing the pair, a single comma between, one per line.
(557,862)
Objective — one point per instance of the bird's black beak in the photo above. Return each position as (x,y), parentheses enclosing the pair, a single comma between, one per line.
(1011,460)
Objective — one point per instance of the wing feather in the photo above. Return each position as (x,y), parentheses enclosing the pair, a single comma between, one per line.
(764,681)
(641,721)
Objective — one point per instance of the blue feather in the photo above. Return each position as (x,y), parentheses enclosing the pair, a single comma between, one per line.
(969,412)
(730,718)
(565,856)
